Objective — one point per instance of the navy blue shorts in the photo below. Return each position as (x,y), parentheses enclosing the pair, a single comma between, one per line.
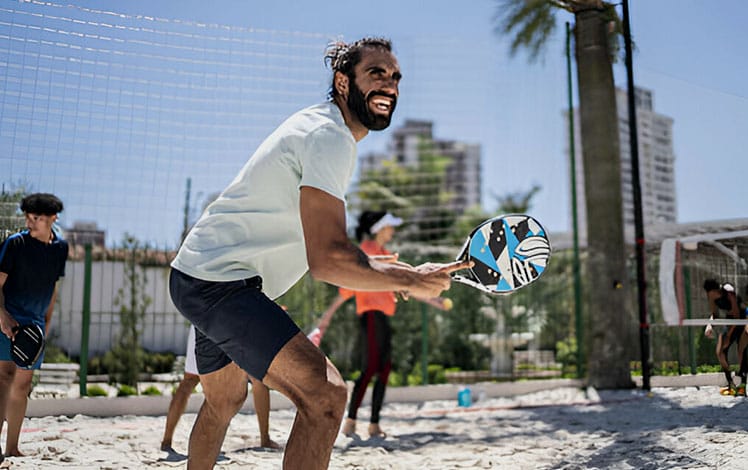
(234,321)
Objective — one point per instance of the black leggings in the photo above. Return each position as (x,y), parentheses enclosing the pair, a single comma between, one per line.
(376,357)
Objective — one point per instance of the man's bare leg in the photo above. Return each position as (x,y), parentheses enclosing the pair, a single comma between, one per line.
(16,410)
(743,360)
(177,406)
(225,391)
(261,400)
(722,357)
(7,372)
(301,372)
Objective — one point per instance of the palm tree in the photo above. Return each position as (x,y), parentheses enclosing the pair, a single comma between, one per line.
(596,25)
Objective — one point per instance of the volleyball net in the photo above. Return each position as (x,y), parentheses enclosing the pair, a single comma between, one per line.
(686,262)
(136,121)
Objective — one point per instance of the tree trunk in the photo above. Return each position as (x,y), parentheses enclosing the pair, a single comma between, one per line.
(610,323)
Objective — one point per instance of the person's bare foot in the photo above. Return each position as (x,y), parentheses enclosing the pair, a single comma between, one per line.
(269,444)
(376,432)
(349,427)
(14,453)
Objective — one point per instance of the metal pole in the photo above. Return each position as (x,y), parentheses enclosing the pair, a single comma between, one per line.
(691,351)
(86,321)
(424,344)
(574,216)
(186,219)
(638,218)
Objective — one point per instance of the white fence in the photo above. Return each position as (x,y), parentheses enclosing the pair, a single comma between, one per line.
(163,328)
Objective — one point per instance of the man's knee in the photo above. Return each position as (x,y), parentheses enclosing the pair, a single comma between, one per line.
(226,391)
(225,405)
(328,400)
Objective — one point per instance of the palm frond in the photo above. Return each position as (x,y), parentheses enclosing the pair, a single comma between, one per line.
(531,22)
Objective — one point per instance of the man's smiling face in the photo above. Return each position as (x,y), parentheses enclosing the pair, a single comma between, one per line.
(374,89)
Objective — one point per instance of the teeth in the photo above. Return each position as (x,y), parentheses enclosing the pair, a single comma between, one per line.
(384,104)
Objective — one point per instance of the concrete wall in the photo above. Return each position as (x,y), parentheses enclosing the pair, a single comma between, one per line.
(163,328)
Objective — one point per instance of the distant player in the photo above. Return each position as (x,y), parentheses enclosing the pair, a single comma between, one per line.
(260,398)
(724,298)
(31,262)
(374,309)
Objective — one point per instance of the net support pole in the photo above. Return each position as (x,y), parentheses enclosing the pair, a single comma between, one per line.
(424,344)
(689,334)
(86,321)
(638,217)
(574,216)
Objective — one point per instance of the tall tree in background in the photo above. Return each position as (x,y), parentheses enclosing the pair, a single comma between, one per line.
(126,359)
(11,220)
(595,32)
(418,193)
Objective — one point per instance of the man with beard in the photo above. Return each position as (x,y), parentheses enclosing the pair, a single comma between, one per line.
(284,214)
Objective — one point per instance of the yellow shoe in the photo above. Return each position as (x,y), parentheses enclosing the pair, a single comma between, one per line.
(727,391)
(740,391)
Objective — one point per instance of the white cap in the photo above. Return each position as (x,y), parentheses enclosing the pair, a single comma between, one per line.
(727,287)
(388,220)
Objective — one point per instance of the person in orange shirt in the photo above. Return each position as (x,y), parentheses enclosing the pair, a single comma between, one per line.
(374,309)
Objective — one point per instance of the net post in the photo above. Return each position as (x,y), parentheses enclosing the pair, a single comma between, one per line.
(691,351)
(424,344)
(86,321)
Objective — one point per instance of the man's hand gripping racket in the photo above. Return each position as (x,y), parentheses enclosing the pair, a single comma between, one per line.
(508,252)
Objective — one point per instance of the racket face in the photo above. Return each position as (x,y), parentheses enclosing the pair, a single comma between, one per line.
(27,345)
(509,252)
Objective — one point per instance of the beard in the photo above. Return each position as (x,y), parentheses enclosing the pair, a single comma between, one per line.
(359,105)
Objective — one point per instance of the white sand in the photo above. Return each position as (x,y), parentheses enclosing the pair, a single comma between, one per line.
(565,428)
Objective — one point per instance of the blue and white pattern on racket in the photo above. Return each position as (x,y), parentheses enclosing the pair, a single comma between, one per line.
(509,253)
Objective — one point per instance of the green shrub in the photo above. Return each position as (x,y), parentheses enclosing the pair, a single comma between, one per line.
(436,375)
(395,379)
(707,368)
(152,390)
(96,391)
(53,354)
(158,363)
(96,366)
(126,391)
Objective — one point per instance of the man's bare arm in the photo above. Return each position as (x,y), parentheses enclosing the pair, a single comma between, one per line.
(334,259)
(7,322)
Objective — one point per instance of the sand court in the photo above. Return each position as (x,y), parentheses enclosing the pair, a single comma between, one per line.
(564,427)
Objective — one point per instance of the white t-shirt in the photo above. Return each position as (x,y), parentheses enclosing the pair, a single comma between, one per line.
(254,227)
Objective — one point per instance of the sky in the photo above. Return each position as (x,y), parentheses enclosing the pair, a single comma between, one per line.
(458,73)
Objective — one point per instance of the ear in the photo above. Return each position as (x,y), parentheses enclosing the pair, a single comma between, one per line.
(341,84)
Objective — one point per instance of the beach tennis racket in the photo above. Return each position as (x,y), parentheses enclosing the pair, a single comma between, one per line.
(27,345)
(509,252)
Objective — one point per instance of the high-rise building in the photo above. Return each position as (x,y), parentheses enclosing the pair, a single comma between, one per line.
(656,164)
(463,175)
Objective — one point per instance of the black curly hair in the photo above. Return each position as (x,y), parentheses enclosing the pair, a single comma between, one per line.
(343,57)
(366,221)
(711,284)
(42,204)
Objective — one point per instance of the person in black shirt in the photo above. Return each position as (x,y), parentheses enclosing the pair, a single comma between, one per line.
(31,262)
